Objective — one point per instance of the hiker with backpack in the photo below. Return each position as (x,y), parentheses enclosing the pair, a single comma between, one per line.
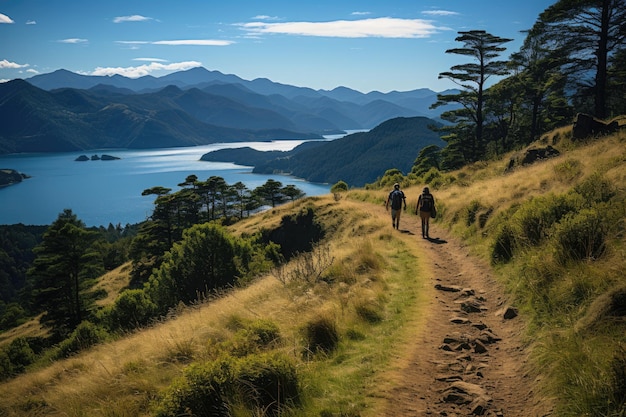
(396,199)
(426,208)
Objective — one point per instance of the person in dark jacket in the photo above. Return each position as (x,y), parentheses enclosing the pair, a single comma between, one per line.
(396,199)
(425,206)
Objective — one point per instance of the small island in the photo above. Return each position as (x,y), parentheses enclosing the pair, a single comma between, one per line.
(10,176)
(104,157)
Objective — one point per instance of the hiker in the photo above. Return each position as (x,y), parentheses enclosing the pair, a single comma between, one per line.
(426,208)
(396,198)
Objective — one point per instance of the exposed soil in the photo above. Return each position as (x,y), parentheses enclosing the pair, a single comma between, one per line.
(470,359)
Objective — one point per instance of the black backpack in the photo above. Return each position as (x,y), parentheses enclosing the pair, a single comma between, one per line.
(396,199)
(426,203)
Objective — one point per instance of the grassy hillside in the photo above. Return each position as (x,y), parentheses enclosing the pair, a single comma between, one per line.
(363,288)
(370,295)
(554,232)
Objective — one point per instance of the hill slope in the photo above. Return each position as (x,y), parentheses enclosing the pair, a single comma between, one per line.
(420,322)
(361,158)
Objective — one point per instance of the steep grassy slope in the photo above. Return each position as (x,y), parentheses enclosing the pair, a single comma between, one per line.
(371,294)
(555,233)
(368,282)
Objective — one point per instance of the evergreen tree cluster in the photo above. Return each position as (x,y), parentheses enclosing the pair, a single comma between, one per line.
(571,61)
(182,253)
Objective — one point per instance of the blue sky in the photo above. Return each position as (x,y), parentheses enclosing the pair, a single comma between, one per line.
(366,45)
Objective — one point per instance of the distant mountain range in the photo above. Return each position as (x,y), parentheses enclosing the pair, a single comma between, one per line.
(65,111)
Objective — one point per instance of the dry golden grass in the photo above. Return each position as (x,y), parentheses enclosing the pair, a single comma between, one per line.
(122,378)
(113,282)
(371,267)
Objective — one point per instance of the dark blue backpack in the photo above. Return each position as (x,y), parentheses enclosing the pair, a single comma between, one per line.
(396,199)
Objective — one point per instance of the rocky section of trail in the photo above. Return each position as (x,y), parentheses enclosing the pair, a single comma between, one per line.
(470,359)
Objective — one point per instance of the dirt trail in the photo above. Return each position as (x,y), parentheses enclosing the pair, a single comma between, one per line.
(470,359)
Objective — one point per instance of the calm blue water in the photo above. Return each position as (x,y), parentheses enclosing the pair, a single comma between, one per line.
(103,192)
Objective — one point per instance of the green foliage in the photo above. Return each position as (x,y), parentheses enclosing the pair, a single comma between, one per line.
(84,336)
(338,188)
(581,235)
(254,337)
(296,234)
(466,132)
(368,310)
(197,202)
(428,159)
(321,335)
(568,170)
(204,261)
(595,189)
(15,357)
(503,245)
(66,261)
(132,309)
(360,158)
(471,211)
(264,383)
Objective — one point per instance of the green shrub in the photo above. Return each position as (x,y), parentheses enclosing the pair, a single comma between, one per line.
(321,335)
(595,189)
(85,335)
(6,369)
(266,382)
(568,170)
(133,308)
(20,354)
(503,245)
(369,311)
(200,391)
(580,236)
(536,217)
(471,211)
(257,336)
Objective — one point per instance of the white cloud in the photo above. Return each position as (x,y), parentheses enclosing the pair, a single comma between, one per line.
(4,80)
(179,42)
(150,59)
(383,27)
(194,42)
(360,13)
(142,70)
(133,18)
(133,42)
(73,40)
(11,65)
(440,13)
(32,71)
(31,22)
(5,19)
(264,17)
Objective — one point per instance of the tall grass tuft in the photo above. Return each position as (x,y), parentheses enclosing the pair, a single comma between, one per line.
(321,335)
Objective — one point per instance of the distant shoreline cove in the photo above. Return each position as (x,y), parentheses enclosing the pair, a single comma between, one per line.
(110,193)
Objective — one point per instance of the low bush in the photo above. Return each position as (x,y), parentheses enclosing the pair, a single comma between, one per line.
(84,336)
(581,236)
(263,383)
(255,337)
(321,335)
(132,309)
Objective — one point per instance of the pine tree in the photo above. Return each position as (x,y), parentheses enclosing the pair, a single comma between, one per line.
(63,264)
(590,31)
(466,133)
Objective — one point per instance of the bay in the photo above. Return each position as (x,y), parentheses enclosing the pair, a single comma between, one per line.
(102,192)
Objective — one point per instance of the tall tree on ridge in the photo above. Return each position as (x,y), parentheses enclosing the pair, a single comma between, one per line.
(466,133)
(592,30)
